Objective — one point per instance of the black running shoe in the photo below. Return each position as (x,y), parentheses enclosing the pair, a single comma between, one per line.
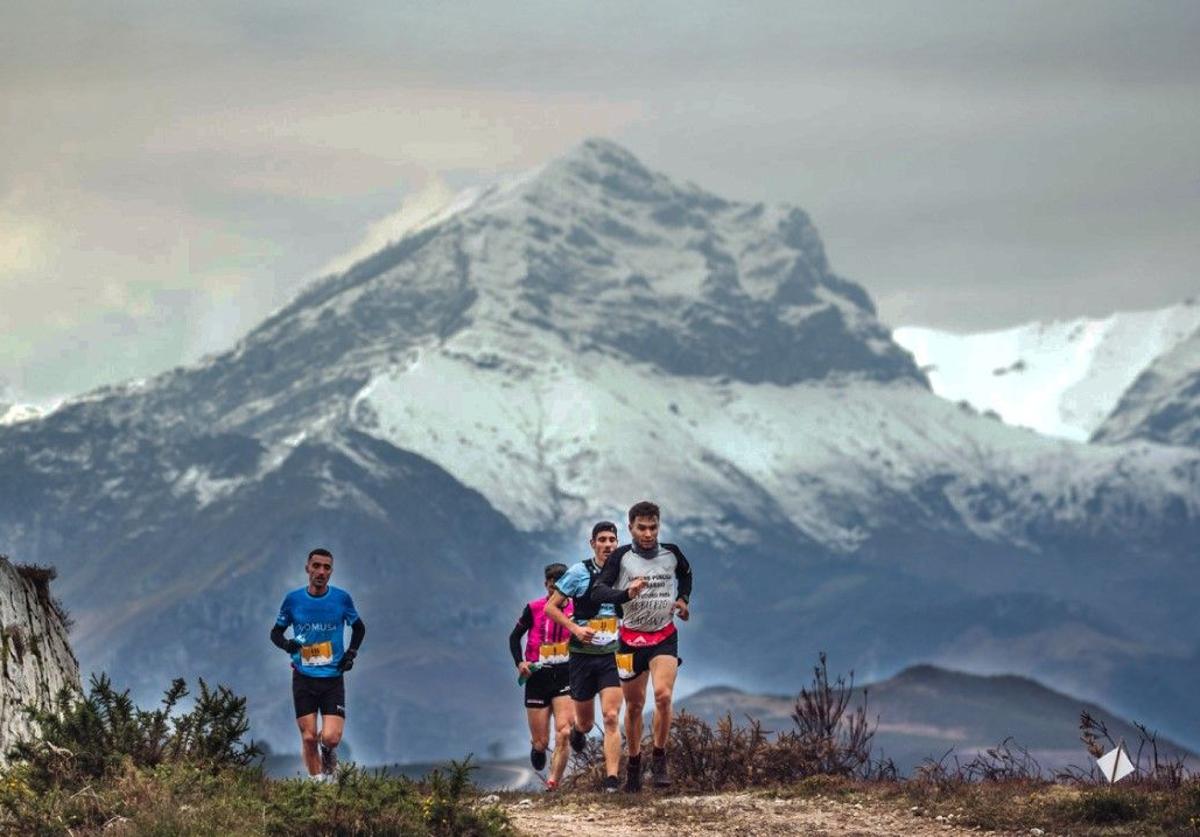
(611,784)
(537,758)
(578,740)
(658,770)
(633,775)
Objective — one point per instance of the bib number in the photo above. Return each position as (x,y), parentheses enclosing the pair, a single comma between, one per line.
(318,654)
(553,653)
(605,628)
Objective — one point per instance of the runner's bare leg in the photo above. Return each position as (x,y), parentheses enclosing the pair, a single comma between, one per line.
(332,727)
(585,715)
(539,727)
(308,743)
(564,714)
(663,670)
(610,705)
(634,690)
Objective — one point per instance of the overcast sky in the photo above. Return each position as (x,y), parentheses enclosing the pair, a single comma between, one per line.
(171,172)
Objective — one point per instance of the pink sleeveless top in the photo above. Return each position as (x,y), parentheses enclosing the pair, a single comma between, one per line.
(544,631)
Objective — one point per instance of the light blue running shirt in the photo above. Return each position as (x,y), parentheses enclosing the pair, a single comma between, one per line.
(317,624)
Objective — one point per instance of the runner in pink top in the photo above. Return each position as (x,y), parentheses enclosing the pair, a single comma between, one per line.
(543,669)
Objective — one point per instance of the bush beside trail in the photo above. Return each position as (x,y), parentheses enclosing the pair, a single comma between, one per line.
(103,765)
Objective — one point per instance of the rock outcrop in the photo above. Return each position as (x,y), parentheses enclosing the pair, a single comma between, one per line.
(36,661)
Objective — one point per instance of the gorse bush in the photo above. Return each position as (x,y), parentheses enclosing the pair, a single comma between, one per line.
(103,765)
(362,802)
(92,736)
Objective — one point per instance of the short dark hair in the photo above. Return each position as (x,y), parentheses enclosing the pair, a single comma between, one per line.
(604,526)
(555,571)
(643,509)
(320,550)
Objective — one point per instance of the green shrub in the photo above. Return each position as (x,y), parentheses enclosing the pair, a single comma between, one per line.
(89,737)
(1108,806)
(104,765)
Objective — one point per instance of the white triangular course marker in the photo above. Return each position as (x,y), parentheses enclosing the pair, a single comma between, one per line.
(1115,765)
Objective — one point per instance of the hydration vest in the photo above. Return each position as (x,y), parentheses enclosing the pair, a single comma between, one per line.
(544,631)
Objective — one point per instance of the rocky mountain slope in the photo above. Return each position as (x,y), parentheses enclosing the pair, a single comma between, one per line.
(36,662)
(1061,378)
(454,411)
(1163,405)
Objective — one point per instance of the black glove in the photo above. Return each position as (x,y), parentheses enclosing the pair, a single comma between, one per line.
(347,661)
(292,647)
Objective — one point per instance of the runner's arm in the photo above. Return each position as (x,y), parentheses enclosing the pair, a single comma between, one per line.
(554,611)
(358,630)
(683,575)
(603,590)
(514,639)
(288,645)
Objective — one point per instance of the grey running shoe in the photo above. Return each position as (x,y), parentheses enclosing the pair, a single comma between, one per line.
(611,784)
(578,740)
(329,761)
(537,758)
(658,771)
(633,775)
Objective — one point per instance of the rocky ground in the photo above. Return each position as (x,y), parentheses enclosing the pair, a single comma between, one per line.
(723,814)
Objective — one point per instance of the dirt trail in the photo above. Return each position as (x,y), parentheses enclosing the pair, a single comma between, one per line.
(724,814)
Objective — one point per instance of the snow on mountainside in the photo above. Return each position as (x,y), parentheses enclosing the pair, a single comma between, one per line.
(16,413)
(1061,378)
(450,413)
(547,436)
(1163,405)
(12,411)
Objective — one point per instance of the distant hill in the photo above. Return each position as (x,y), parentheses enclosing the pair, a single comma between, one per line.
(924,711)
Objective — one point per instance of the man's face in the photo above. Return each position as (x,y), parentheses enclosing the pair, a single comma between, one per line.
(644,531)
(319,568)
(603,545)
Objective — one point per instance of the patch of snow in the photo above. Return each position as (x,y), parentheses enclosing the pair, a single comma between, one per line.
(17,413)
(206,488)
(1061,378)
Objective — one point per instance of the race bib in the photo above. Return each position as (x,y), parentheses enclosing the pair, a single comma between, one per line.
(605,628)
(317,654)
(625,666)
(553,653)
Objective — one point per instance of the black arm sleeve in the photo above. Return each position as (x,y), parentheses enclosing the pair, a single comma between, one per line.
(358,630)
(514,639)
(683,574)
(603,590)
(277,637)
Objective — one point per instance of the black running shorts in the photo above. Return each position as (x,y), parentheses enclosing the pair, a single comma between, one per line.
(590,673)
(644,654)
(326,695)
(546,684)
